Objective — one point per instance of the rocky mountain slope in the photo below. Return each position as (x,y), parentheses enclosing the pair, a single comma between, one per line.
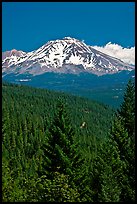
(67,55)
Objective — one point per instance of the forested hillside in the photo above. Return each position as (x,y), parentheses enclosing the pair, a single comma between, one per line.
(59,147)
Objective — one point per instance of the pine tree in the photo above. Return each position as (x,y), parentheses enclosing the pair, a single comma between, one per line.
(60,151)
(127,109)
(56,190)
(123,132)
(113,170)
(106,169)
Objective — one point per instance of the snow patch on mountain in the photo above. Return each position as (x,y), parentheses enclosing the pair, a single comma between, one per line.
(55,55)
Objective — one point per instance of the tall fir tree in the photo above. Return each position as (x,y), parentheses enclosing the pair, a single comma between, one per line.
(60,152)
(127,109)
(106,169)
(123,133)
(113,170)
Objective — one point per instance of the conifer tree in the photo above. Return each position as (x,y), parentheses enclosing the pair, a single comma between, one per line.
(127,109)
(114,167)
(60,151)
(106,170)
(123,133)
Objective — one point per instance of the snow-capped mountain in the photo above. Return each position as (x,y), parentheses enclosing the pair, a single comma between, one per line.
(67,55)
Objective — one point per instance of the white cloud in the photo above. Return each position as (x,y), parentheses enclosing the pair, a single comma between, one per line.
(127,55)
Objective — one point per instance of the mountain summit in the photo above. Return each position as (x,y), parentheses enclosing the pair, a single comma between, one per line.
(67,55)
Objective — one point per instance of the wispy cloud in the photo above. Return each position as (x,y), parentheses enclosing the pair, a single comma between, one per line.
(127,55)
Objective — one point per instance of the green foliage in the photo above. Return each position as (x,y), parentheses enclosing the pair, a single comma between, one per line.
(106,170)
(65,152)
(56,190)
(61,152)
(123,133)
(113,170)
(127,108)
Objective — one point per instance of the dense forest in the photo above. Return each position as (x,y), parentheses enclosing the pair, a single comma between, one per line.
(61,148)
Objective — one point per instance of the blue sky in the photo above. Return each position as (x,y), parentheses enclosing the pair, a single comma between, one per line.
(28,25)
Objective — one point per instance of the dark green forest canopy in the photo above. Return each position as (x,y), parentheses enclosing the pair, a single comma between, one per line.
(27,114)
(92,147)
(41,103)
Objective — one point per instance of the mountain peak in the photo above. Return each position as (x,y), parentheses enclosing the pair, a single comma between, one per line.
(69,38)
(14,50)
(64,55)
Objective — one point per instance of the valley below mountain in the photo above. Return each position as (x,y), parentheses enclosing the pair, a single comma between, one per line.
(108,89)
(72,66)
